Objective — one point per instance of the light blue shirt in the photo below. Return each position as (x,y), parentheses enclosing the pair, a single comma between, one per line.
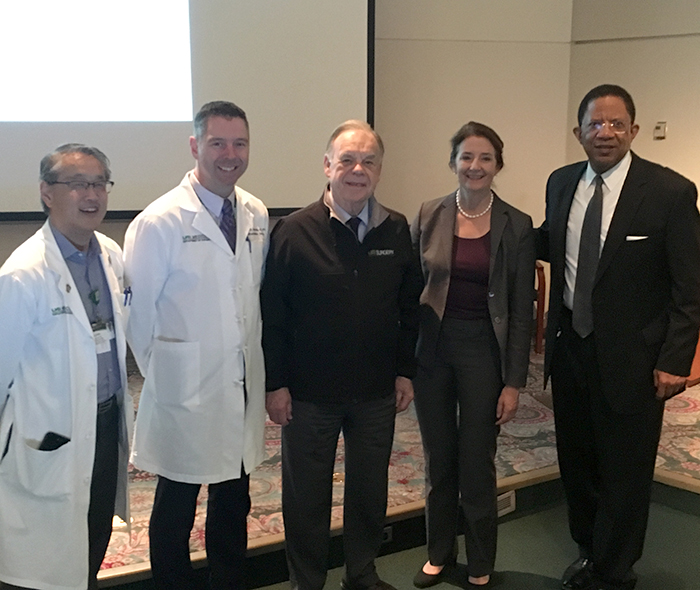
(89,277)
(210,200)
(343,216)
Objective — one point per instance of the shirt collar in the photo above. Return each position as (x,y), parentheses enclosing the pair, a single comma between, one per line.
(341,214)
(612,178)
(210,200)
(69,251)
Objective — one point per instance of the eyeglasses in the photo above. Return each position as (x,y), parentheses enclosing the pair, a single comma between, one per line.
(80,186)
(617,127)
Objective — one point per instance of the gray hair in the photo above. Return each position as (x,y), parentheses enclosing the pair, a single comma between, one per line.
(50,163)
(355,125)
(48,169)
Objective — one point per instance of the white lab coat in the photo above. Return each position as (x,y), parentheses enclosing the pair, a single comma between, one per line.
(195,329)
(48,383)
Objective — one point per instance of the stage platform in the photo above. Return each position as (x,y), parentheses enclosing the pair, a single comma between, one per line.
(526,462)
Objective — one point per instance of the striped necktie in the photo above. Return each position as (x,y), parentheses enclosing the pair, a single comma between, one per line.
(228,224)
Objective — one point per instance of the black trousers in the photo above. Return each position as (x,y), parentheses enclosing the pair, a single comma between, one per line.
(309,444)
(226,535)
(103,489)
(606,459)
(456,405)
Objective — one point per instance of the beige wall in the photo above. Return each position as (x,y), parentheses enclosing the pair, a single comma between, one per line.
(442,63)
(513,65)
(655,56)
(624,19)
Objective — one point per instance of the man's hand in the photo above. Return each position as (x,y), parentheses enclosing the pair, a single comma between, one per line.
(667,385)
(507,405)
(404,393)
(278,404)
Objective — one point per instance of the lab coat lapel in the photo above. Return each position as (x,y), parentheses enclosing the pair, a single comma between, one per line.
(244,222)
(203,222)
(64,279)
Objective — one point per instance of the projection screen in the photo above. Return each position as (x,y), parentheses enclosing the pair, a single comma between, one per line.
(127,77)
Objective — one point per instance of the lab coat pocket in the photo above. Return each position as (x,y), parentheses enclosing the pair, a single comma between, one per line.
(175,369)
(44,474)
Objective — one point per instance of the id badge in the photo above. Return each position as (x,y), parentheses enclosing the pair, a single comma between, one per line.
(103,338)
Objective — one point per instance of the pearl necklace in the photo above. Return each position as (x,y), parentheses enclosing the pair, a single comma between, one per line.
(467,215)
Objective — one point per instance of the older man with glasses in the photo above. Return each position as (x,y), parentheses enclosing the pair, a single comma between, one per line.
(623,237)
(65,414)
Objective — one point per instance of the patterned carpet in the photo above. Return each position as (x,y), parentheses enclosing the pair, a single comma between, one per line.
(525,445)
(679,447)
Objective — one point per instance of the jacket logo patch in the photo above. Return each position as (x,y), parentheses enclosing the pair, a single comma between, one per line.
(61,310)
(380,253)
(195,238)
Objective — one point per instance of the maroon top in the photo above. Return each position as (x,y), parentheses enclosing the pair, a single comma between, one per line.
(467,297)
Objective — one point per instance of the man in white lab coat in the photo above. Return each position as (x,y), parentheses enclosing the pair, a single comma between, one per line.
(194,259)
(65,413)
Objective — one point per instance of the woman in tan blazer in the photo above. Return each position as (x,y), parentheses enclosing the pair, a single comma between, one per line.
(478,259)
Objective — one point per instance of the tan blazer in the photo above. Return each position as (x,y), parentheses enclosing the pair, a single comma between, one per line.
(511,280)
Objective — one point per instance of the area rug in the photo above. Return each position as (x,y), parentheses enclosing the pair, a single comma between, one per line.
(525,444)
(679,448)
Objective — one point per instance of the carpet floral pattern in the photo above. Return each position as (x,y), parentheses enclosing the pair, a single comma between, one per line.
(679,447)
(525,444)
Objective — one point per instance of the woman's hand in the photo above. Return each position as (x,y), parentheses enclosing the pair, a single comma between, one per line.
(507,405)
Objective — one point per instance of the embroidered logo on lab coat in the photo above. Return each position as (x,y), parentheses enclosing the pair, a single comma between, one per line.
(61,310)
(255,232)
(195,238)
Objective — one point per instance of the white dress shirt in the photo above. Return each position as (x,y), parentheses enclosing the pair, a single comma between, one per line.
(613,180)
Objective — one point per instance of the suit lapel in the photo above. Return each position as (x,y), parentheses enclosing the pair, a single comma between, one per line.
(499,218)
(631,196)
(443,234)
(560,219)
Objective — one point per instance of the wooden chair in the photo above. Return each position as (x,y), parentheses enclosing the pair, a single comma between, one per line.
(539,315)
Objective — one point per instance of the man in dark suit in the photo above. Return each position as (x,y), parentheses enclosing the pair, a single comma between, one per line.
(623,238)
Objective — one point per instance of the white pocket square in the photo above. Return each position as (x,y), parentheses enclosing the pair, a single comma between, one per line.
(635,238)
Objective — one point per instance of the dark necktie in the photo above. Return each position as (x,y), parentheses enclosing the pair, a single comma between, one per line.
(354,224)
(228,224)
(588,255)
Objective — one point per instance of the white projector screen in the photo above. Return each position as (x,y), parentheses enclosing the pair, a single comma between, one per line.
(139,69)
(128,76)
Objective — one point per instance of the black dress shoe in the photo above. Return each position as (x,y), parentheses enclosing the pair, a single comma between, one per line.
(578,575)
(628,583)
(423,580)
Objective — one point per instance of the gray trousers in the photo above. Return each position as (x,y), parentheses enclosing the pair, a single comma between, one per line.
(309,444)
(456,406)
